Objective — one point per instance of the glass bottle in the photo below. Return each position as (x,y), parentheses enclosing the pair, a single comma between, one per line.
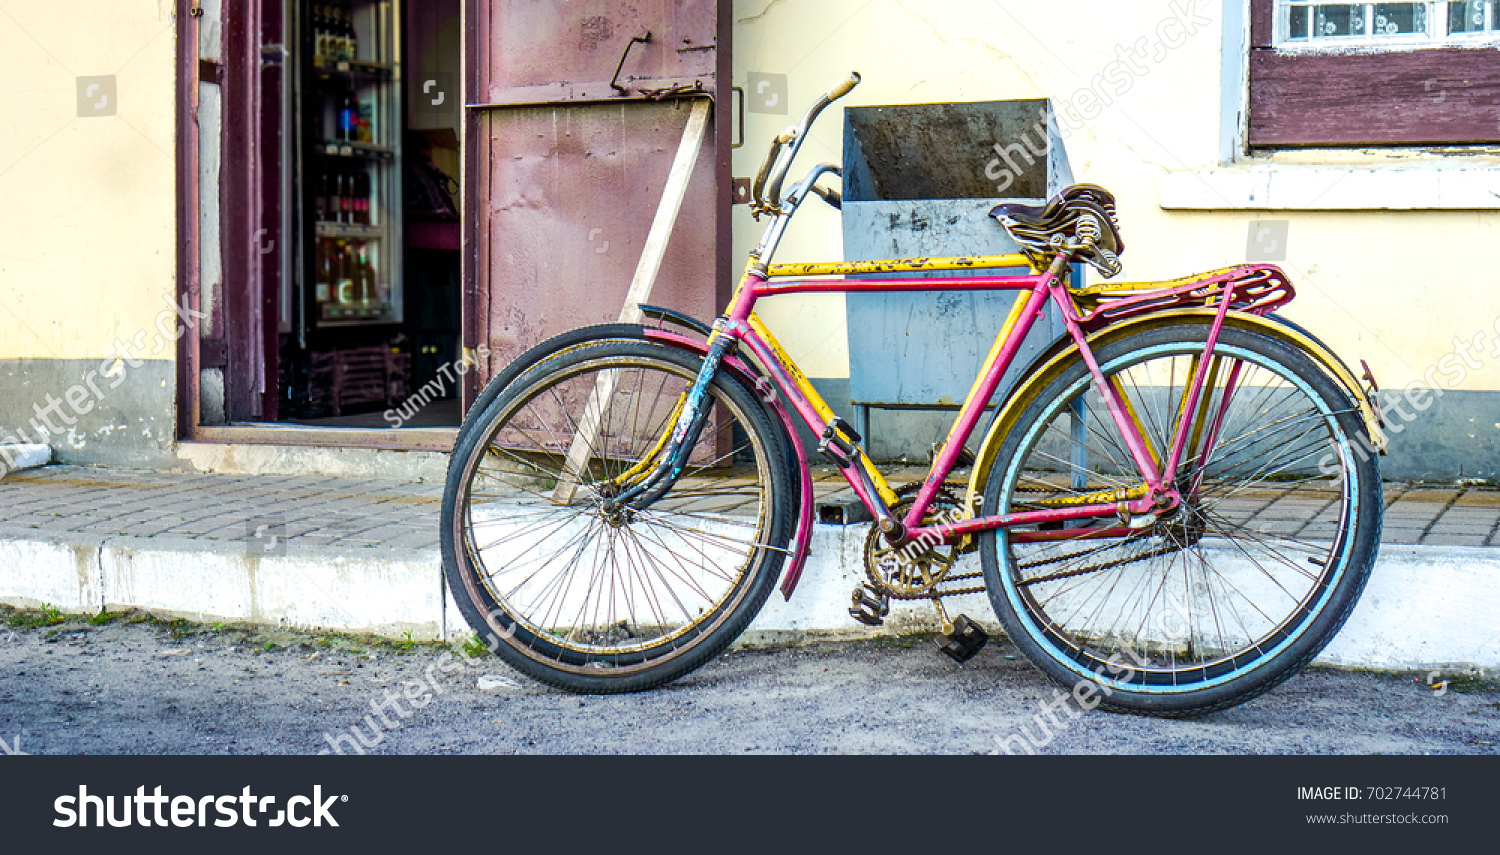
(348,116)
(320,198)
(366,285)
(345,268)
(346,34)
(336,197)
(351,35)
(320,38)
(362,196)
(323,288)
(351,206)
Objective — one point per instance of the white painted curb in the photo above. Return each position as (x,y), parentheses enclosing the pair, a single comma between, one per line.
(1426,607)
(27,455)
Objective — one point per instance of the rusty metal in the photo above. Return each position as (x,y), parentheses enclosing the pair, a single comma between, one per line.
(906,152)
(739,192)
(252,197)
(676,89)
(740,141)
(558,219)
(555,52)
(562,174)
(614,79)
(188,272)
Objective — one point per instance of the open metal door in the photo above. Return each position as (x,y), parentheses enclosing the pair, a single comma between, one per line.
(576,110)
(255,191)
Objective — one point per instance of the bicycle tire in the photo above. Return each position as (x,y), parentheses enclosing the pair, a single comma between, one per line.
(732,506)
(1295,545)
(556,344)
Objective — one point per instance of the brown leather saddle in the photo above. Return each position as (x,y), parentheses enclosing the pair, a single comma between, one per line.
(1079,220)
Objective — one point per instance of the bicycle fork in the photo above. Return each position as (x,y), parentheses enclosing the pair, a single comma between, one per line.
(692,415)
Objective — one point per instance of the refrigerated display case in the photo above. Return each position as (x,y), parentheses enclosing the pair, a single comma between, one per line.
(369,297)
(351,164)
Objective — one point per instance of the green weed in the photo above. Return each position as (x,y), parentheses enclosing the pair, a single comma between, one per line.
(48,615)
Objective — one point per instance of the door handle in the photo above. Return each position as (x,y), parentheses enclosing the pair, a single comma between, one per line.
(739,90)
(613,81)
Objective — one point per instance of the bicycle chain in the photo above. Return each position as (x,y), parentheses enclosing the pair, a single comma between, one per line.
(1093,568)
(905,495)
(950,500)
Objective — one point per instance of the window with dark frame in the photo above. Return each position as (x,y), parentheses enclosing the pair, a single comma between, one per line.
(1374,74)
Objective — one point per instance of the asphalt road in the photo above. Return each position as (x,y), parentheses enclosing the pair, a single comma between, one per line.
(152,688)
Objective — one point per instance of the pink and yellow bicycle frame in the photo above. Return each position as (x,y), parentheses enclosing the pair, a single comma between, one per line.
(1159,470)
(1237,292)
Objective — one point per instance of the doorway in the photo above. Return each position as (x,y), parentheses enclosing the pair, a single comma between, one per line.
(370,282)
(358,318)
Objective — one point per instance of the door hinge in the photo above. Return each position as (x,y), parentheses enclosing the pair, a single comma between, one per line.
(272,55)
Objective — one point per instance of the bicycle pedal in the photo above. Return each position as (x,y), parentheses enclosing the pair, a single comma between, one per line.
(869,607)
(964,641)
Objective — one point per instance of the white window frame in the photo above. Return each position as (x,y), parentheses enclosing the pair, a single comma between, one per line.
(1395,179)
(1436,35)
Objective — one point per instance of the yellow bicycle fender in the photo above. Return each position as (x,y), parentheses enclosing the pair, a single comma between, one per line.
(1037,380)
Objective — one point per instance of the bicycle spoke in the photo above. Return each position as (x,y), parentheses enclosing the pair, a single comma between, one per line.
(595,585)
(1202,588)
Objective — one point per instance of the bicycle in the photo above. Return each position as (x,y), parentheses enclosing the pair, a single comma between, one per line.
(622,499)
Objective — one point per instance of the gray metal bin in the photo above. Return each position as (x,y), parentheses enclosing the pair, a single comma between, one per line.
(919,181)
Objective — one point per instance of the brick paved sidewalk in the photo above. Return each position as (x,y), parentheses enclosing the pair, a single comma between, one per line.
(1441,516)
(306,510)
(309,510)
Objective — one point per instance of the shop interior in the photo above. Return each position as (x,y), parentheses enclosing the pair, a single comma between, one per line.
(371,313)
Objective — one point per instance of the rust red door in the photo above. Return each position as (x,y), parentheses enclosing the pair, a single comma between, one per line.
(573,120)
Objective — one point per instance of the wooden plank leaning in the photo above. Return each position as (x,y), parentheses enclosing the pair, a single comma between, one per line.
(641,284)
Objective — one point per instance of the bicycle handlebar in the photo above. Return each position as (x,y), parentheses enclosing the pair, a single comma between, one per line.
(832,197)
(768,181)
(757,189)
(842,89)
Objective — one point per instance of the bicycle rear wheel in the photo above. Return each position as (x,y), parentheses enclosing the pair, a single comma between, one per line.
(590,599)
(1224,597)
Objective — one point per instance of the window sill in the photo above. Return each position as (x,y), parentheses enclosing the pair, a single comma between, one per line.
(1334,187)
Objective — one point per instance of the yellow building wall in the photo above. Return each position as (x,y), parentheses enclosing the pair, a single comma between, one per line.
(1390,287)
(88,223)
(88,228)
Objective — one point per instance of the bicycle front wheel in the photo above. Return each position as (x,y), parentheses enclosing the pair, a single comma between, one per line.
(1222,598)
(592,599)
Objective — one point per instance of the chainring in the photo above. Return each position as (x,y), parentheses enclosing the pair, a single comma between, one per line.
(904,576)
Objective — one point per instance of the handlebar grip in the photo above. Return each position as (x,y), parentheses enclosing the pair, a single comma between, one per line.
(842,89)
(758,187)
